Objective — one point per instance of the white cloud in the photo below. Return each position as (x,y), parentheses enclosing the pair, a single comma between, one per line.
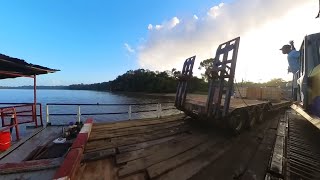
(167,25)
(215,10)
(195,17)
(150,26)
(174,21)
(264,26)
(158,27)
(129,48)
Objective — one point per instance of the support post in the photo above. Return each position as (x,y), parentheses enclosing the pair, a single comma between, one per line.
(130,112)
(40,115)
(16,124)
(79,113)
(35,99)
(47,114)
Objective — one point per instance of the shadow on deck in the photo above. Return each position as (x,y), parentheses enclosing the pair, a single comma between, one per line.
(173,147)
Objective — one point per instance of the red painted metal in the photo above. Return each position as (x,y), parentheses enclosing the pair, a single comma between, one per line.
(81,141)
(15,121)
(89,121)
(70,165)
(72,161)
(35,99)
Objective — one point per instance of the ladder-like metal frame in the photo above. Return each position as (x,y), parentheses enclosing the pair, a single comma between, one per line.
(182,88)
(221,78)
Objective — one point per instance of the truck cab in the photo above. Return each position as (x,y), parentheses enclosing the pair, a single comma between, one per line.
(309,74)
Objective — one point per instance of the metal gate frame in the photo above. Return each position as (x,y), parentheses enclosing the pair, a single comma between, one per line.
(182,88)
(222,78)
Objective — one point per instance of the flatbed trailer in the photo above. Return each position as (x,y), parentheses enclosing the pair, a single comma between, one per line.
(219,106)
(246,112)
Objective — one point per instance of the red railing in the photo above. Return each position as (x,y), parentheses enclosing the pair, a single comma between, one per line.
(9,112)
(26,113)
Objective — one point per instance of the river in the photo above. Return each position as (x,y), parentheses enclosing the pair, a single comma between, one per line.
(84,97)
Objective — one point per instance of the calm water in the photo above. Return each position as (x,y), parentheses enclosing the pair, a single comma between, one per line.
(80,96)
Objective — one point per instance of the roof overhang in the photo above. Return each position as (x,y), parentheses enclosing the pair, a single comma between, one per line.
(13,67)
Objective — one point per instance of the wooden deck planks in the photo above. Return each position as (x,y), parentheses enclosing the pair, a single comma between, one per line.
(138,176)
(170,148)
(96,170)
(131,123)
(164,166)
(167,151)
(133,147)
(99,154)
(40,139)
(133,139)
(96,135)
(129,156)
(187,170)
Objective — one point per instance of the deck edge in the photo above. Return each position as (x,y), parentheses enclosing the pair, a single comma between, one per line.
(73,158)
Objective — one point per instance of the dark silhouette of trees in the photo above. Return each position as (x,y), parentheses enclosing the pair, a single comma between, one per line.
(143,80)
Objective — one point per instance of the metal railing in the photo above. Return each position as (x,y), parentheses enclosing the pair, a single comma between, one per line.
(26,112)
(78,107)
(9,112)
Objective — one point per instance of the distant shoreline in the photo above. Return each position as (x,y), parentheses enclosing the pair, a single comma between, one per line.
(168,95)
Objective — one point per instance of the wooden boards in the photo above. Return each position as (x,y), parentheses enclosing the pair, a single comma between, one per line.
(173,148)
(106,136)
(151,149)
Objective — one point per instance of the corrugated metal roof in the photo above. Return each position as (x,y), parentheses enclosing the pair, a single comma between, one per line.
(11,67)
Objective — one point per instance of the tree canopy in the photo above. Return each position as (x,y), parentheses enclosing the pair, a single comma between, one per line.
(143,80)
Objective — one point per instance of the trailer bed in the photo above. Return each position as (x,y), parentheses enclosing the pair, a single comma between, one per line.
(198,103)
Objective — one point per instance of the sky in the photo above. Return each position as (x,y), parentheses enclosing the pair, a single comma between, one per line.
(95,41)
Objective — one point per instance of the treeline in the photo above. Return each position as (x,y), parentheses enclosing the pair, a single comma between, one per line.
(38,87)
(276,82)
(143,80)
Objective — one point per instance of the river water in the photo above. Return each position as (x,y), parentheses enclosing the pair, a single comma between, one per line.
(87,97)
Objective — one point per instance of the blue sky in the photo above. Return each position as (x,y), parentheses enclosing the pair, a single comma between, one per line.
(84,39)
(95,41)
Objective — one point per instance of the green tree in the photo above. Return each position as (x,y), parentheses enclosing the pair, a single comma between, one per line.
(206,64)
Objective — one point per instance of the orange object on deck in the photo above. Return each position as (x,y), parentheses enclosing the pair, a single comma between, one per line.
(5,141)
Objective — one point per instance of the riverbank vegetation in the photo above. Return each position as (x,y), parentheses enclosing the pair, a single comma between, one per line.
(142,80)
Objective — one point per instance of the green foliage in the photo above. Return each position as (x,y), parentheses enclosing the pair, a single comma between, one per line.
(142,80)
(205,64)
(278,82)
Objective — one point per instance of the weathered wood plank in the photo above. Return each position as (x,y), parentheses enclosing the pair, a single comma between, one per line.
(277,157)
(187,170)
(27,166)
(139,122)
(96,135)
(97,131)
(129,156)
(257,166)
(167,151)
(19,143)
(164,166)
(40,139)
(98,155)
(127,140)
(101,169)
(133,147)
(139,176)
